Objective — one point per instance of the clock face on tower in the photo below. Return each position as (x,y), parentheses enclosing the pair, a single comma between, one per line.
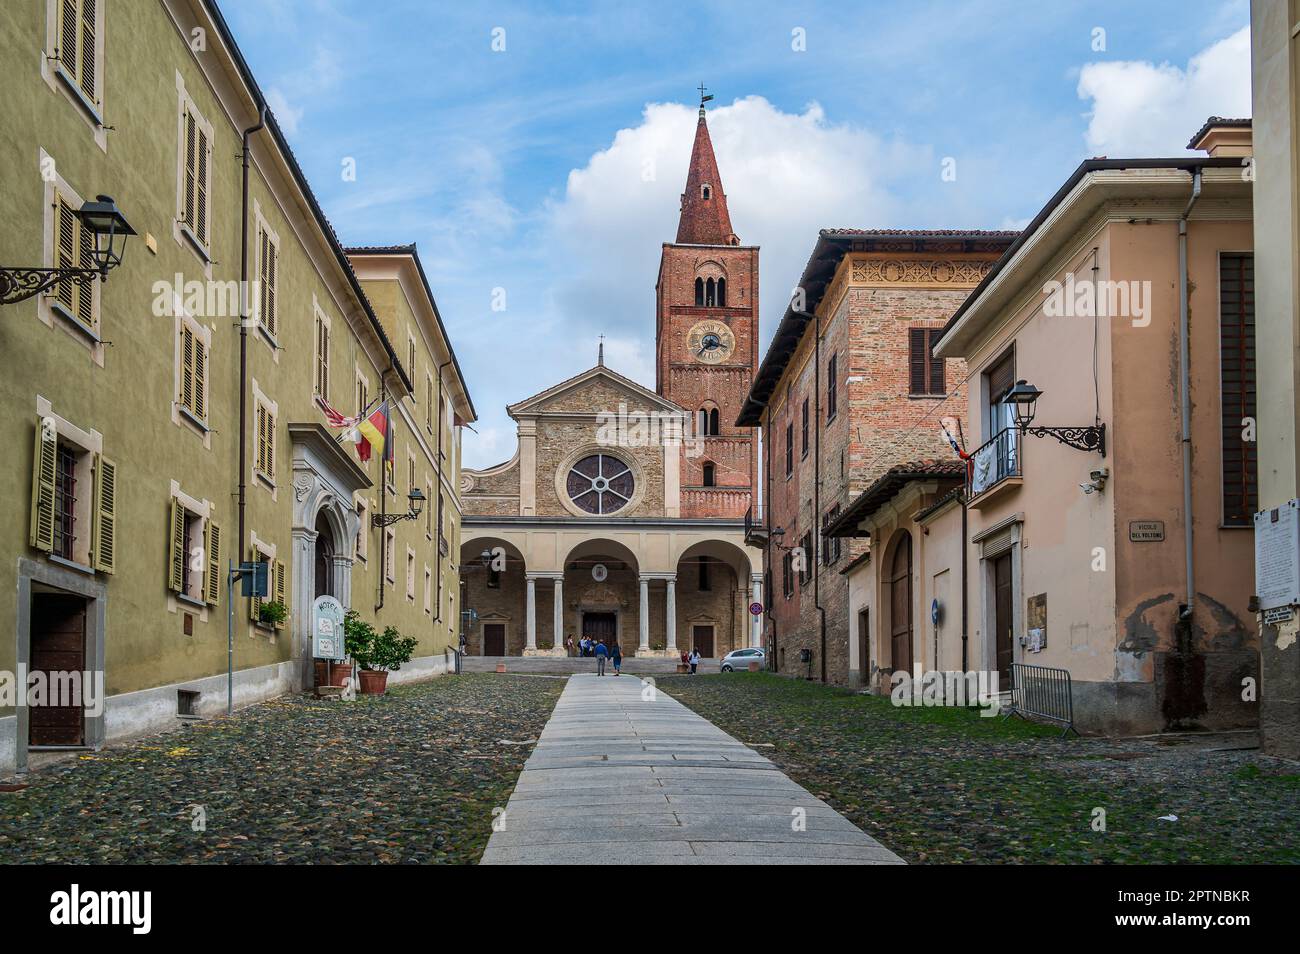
(710,342)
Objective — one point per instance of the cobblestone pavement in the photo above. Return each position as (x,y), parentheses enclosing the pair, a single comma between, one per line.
(624,774)
(945,785)
(409,777)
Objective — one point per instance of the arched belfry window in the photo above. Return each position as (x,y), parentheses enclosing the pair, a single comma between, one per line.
(699,291)
(710,292)
(706,191)
(709,422)
(710,478)
(713,423)
(722,293)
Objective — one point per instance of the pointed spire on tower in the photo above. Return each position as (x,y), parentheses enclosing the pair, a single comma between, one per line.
(704,217)
(600,353)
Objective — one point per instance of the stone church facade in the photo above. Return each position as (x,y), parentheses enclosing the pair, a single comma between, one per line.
(621,514)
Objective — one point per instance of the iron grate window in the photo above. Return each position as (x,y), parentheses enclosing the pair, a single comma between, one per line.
(65,502)
(1237,387)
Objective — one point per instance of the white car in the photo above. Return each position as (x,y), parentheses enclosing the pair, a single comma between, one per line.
(741,658)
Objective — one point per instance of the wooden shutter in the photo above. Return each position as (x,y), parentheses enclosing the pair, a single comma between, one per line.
(176,556)
(44,473)
(187,368)
(86,290)
(279,591)
(270,444)
(212,581)
(1237,387)
(200,376)
(103,531)
(255,602)
(190,172)
(1002,377)
(86,75)
(69,29)
(65,249)
(936,382)
(269,318)
(201,186)
(917,358)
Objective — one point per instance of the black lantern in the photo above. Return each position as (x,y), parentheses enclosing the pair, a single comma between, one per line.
(1024,398)
(416,501)
(103,220)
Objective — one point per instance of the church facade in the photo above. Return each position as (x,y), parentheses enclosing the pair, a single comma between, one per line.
(621,514)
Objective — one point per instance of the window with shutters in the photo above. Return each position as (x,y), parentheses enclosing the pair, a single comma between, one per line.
(268,276)
(74,497)
(410,355)
(428,403)
(1237,387)
(321,384)
(831,546)
(805,568)
(194,178)
(277,586)
(410,574)
(76,52)
(363,392)
(74,247)
(428,510)
(428,590)
(832,387)
(925,371)
(264,460)
(787,575)
(390,554)
(193,373)
(789,449)
(803,430)
(361,545)
(194,568)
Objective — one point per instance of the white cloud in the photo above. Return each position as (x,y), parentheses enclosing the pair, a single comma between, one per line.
(1141,109)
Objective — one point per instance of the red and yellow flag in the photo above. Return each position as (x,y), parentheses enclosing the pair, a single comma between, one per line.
(373,432)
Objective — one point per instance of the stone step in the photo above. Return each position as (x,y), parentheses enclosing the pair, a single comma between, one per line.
(570,665)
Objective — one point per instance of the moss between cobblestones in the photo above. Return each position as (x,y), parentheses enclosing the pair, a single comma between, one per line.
(409,777)
(945,785)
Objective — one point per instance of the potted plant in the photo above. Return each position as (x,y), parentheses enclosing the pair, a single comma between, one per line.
(273,614)
(385,652)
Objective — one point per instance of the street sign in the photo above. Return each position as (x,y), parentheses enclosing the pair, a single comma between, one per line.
(327,629)
(936,612)
(1279,614)
(756,609)
(253,578)
(1146,531)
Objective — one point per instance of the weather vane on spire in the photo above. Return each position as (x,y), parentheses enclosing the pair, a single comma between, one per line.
(600,353)
(703,99)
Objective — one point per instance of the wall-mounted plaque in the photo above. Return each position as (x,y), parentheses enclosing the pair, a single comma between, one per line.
(1146,531)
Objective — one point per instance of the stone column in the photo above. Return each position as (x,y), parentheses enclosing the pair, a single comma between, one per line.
(756,627)
(644,645)
(670,619)
(558,624)
(532,614)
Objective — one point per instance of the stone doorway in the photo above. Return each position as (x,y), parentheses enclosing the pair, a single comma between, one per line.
(601,627)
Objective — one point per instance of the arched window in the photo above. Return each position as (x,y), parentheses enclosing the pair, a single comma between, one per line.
(710,291)
(706,191)
(710,478)
(699,291)
(703,428)
(713,423)
(722,293)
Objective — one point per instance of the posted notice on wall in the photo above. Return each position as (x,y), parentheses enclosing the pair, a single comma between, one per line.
(1277,556)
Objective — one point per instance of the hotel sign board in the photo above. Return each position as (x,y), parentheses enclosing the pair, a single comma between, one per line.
(1277,556)
(1146,531)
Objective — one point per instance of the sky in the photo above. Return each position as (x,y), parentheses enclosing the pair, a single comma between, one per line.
(535,152)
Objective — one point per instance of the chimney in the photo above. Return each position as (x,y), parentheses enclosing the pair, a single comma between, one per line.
(1224,137)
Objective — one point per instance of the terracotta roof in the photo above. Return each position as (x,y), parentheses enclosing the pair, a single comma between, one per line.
(1216,121)
(887,485)
(924,233)
(704,221)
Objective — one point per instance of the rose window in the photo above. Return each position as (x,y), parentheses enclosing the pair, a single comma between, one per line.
(600,484)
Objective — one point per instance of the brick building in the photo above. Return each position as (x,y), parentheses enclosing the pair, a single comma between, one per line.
(847,391)
(620,516)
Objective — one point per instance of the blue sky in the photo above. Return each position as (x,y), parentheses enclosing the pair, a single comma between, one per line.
(549,171)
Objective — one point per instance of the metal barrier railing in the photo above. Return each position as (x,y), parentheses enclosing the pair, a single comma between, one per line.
(1042,691)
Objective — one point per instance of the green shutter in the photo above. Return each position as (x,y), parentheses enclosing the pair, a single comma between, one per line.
(255,602)
(176,555)
(212,582)
(44,469)
(279,590)
(87,77)
(68,30)
(103,532)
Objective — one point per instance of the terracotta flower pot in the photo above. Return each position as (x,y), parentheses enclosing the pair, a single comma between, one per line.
(374,682)
(338,676)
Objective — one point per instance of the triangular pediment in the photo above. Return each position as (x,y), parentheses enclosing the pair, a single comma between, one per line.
(594,390)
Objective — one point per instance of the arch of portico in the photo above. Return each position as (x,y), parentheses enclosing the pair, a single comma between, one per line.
(556,558)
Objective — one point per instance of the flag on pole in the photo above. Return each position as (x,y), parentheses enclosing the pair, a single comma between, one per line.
(373,432)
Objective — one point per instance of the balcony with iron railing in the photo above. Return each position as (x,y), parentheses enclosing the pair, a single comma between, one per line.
(994,468)
(755,532)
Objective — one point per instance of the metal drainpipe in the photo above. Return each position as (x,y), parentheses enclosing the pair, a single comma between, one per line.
(437,463)
(383,499)
(817,487)
(964,630)
(243,333)
(1185,384)
(768,596)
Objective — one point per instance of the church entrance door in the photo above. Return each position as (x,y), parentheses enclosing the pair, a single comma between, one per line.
(600,626)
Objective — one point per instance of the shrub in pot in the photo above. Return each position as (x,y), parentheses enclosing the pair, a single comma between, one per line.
(385,652)
(273,614)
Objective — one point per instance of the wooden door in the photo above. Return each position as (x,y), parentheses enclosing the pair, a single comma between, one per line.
(1002,616)
(494,639)
(900,605)
(601,627)
(864,647)
(702,639)
(58,644)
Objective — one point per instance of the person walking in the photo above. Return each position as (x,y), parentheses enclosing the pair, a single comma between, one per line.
(568,645)
(601,655)
(695,660)
(583,646)
(616,652)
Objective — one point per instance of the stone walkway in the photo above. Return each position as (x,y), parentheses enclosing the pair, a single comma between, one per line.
(623,774)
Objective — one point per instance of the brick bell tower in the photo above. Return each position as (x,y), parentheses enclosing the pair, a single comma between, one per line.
(706,350)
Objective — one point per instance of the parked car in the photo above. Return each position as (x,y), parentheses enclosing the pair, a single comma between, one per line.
(741,658)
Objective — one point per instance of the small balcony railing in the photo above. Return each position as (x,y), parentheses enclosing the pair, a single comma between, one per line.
(755,531)
(993,462)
